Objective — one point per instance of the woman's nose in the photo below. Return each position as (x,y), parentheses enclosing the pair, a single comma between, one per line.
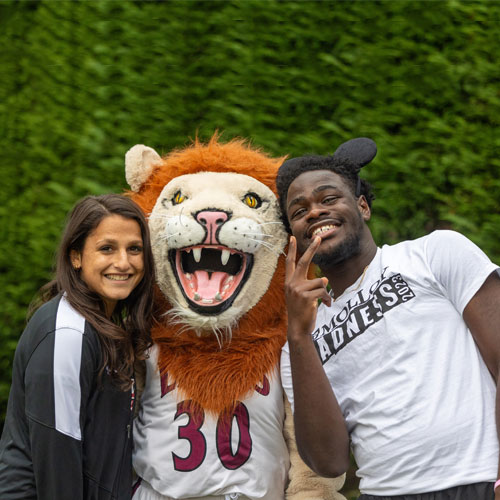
(122,260)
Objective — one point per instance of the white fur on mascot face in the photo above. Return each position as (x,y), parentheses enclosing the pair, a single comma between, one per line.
(216,240)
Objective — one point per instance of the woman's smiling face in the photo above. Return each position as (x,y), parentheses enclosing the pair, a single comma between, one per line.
(111,262)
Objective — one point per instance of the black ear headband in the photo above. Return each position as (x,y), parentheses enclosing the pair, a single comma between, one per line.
(358,152)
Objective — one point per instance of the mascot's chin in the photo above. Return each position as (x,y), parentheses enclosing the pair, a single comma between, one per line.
(211,423)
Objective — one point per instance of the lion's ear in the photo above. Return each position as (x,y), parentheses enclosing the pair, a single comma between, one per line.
(139,163)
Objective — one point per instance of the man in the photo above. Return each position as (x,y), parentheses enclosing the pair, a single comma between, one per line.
(400,360)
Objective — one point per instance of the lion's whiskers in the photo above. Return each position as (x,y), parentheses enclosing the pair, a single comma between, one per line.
(271,248)
(261,234)
(266,223)
(168,236)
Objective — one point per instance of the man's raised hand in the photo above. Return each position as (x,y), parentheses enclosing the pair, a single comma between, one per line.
(302,293)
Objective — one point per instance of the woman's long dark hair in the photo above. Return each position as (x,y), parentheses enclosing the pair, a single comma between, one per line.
(126,335)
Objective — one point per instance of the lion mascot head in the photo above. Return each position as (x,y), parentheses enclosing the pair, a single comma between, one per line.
(218,242)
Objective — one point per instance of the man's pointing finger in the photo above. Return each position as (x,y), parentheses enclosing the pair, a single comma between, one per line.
(306,259)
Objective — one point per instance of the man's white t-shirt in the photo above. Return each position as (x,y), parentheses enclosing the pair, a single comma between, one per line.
(417,398)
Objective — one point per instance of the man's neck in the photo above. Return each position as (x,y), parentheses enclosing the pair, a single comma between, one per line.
(346,273)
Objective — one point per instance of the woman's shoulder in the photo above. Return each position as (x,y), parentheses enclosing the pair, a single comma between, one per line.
(39,328)
(59,314)
(45,315)
(57,321)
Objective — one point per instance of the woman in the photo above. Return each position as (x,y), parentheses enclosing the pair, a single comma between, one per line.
(67,432)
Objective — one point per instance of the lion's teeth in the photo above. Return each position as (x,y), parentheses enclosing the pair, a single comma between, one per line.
(197,254)
(218,296)
(197,296)
(207,301)
(224,256)
(188,276)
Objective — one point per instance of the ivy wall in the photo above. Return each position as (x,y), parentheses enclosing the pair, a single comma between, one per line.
(81,82)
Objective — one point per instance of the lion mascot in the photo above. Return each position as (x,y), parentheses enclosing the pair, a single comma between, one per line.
(211,423)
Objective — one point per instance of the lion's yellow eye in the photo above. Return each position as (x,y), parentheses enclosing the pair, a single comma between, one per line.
(251,200)
(178,198)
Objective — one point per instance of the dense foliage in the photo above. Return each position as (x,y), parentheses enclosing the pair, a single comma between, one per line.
(81,82)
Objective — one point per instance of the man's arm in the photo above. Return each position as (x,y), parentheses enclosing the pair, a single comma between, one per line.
(482,315)
(321,433)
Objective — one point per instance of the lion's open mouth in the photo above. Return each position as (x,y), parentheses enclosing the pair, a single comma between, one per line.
(210,276)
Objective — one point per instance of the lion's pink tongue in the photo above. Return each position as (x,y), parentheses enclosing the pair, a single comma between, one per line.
(209,286)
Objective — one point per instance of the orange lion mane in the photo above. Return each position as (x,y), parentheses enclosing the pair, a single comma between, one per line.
(211,376)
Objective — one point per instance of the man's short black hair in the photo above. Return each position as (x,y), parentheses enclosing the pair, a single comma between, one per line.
(291,169)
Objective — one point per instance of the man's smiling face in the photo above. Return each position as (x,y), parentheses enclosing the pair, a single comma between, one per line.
(320,203)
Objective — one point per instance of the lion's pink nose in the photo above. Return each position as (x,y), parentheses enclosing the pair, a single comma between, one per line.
(212,220)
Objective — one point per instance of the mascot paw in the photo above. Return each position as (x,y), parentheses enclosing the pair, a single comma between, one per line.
(304,484)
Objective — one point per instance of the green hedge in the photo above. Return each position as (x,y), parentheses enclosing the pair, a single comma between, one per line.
(81,82)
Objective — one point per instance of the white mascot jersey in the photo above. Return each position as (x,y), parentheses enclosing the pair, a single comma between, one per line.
(186,456)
